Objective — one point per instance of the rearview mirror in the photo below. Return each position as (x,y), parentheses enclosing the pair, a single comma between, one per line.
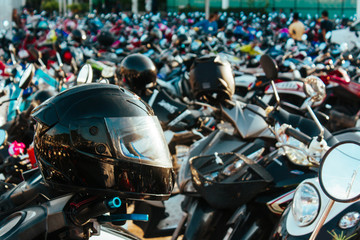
(12,48)
(340,172)
(340,186)
(269,66)
(3,136)
(27,76)
(85,75)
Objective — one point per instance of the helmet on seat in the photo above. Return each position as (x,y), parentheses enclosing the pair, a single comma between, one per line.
(78,35)
(156,33)
(182,40)
(212,80)
(105,38)
(138,72)
(42,95)
(100,138)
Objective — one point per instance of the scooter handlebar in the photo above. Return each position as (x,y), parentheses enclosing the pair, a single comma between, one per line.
(302,137)
(258,101)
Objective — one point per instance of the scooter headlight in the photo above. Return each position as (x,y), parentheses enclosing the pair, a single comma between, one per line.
(296,156)
(349,220)
(292,151)
(306,204)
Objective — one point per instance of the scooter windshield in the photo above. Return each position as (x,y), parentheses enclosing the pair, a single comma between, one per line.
(140,139)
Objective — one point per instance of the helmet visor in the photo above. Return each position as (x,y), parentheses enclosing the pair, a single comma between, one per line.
(140,139)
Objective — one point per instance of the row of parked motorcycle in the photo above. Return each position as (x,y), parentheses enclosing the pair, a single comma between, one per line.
(255,140)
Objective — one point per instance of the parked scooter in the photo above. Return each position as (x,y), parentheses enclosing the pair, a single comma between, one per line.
(326,207)
(253,188)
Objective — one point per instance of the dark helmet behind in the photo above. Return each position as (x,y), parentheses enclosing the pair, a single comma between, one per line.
(78,35)
(138,72)
(99,138)
(182,39)
(229,33)
(105,38)
(42,25)
(156,33)
(43,95)
(41,28)
(212,80)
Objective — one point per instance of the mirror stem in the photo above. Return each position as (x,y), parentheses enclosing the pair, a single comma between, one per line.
(313,116)
(275,92)
(321,221)
(42,63)
(13,58)
(59,59)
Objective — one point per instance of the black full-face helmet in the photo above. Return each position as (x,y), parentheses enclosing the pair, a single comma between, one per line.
(156,33)
(103,139)
(212,80)
(42,95)
(182,40)
(138,72)
(78,35)
(105,38)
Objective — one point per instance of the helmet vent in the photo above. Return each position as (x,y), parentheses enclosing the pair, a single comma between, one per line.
(100,149)
(93,130)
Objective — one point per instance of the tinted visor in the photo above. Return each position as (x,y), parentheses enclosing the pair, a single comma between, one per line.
(140,139)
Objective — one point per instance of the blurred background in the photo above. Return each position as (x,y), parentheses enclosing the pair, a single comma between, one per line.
(338,7)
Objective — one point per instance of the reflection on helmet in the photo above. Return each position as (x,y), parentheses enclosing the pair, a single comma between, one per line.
(131,151)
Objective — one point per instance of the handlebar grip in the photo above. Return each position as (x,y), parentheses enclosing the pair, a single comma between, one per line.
(260,102)
(302,137)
